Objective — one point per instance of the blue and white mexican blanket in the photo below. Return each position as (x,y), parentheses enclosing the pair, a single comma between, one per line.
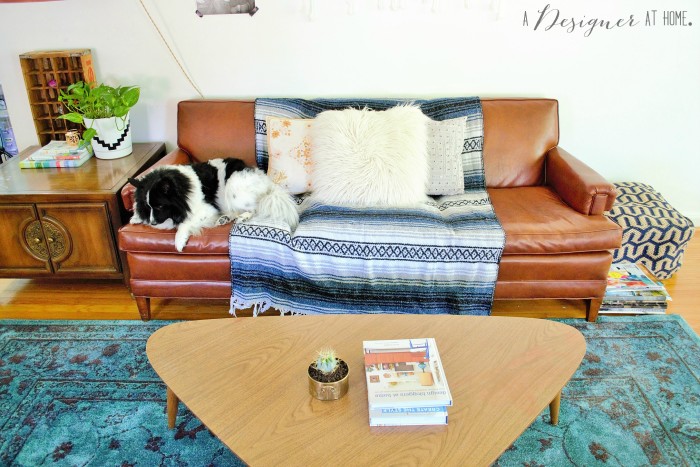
(441,257)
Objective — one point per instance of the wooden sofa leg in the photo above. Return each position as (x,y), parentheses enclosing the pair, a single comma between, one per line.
(592,309)
(144,306)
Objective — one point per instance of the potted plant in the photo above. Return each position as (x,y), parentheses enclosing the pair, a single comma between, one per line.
(104,112)
(328,376)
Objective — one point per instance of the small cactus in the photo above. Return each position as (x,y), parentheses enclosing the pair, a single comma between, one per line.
(327,361)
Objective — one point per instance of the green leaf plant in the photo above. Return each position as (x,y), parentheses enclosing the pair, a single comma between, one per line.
(92,100)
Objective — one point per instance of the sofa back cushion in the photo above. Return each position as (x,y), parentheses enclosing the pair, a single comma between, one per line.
(207,129)
(517,135)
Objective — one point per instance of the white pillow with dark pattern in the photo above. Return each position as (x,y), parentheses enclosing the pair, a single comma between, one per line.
(445,144)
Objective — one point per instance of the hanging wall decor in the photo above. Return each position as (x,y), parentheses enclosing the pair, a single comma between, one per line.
(225,7)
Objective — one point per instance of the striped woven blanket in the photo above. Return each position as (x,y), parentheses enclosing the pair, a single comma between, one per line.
(441,257)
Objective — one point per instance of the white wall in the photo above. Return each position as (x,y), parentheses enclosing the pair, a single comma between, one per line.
(629,97)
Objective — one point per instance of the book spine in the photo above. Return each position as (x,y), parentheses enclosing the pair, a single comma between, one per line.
(410,417)
(633,311)
(393,421)
(633,305)
(634,287)
(31,164)
(409,410)
(633,299)
(58,157)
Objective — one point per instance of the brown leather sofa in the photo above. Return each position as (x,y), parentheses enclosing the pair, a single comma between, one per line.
(549,203)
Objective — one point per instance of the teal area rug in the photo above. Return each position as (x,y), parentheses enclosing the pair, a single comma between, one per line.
(83,393)
(635,399)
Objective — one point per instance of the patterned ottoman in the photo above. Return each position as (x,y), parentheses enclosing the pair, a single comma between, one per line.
(653,232)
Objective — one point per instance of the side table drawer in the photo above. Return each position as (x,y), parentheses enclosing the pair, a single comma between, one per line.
(79,238)
(23,249)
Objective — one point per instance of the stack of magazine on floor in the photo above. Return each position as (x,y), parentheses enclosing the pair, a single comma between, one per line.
(57,154)
(631,290)
(406,383)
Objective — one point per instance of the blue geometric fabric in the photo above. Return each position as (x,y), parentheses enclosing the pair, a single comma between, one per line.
(441,256)
(654,233)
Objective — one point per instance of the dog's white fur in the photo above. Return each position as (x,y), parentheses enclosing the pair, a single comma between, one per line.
(370,158)
(250,194)
(247,194)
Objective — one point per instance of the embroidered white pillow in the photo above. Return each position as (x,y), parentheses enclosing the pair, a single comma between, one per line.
(289,149)
(370,158)
(445,144)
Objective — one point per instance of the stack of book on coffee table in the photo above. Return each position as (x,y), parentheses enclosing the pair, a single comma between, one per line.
(406,383)
(631,290)
(57,154)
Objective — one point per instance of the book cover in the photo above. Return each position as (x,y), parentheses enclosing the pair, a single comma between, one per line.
(405,373)
(61,148)
(58,157)
(629,276)
(28,163)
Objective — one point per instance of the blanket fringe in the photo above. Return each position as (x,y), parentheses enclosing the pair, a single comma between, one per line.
(259,307)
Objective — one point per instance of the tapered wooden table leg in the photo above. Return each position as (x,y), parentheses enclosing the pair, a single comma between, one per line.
(554,409)
(172,408)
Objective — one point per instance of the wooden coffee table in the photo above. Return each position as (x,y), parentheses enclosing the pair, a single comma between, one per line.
(245,378)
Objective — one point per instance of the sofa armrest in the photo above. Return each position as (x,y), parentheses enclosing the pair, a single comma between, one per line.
(178,156)
(581,187)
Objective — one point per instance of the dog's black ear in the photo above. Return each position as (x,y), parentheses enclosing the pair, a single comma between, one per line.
(166,185)
(134,181)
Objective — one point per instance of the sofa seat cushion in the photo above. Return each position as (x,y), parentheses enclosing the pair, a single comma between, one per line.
(137,238)
(538,222)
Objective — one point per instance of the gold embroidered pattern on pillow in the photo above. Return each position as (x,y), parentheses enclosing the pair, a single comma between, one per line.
(289,149)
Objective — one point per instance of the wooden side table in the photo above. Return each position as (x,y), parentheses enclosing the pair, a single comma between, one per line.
(62,222)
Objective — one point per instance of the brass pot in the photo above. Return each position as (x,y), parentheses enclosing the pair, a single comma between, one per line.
(329,391)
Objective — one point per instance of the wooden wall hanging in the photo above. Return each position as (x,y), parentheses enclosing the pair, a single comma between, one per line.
(45,72)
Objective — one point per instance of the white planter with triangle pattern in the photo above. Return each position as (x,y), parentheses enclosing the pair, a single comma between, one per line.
(113,138)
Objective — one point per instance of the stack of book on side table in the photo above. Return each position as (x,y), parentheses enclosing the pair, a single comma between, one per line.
(632,291)
(57,154)
(406,383)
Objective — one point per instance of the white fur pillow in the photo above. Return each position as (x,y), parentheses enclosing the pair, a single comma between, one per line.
(370,158)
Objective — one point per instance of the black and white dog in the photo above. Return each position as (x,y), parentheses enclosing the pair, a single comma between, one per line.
(190,197)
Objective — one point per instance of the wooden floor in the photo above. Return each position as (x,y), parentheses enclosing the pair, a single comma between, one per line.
(61,299)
